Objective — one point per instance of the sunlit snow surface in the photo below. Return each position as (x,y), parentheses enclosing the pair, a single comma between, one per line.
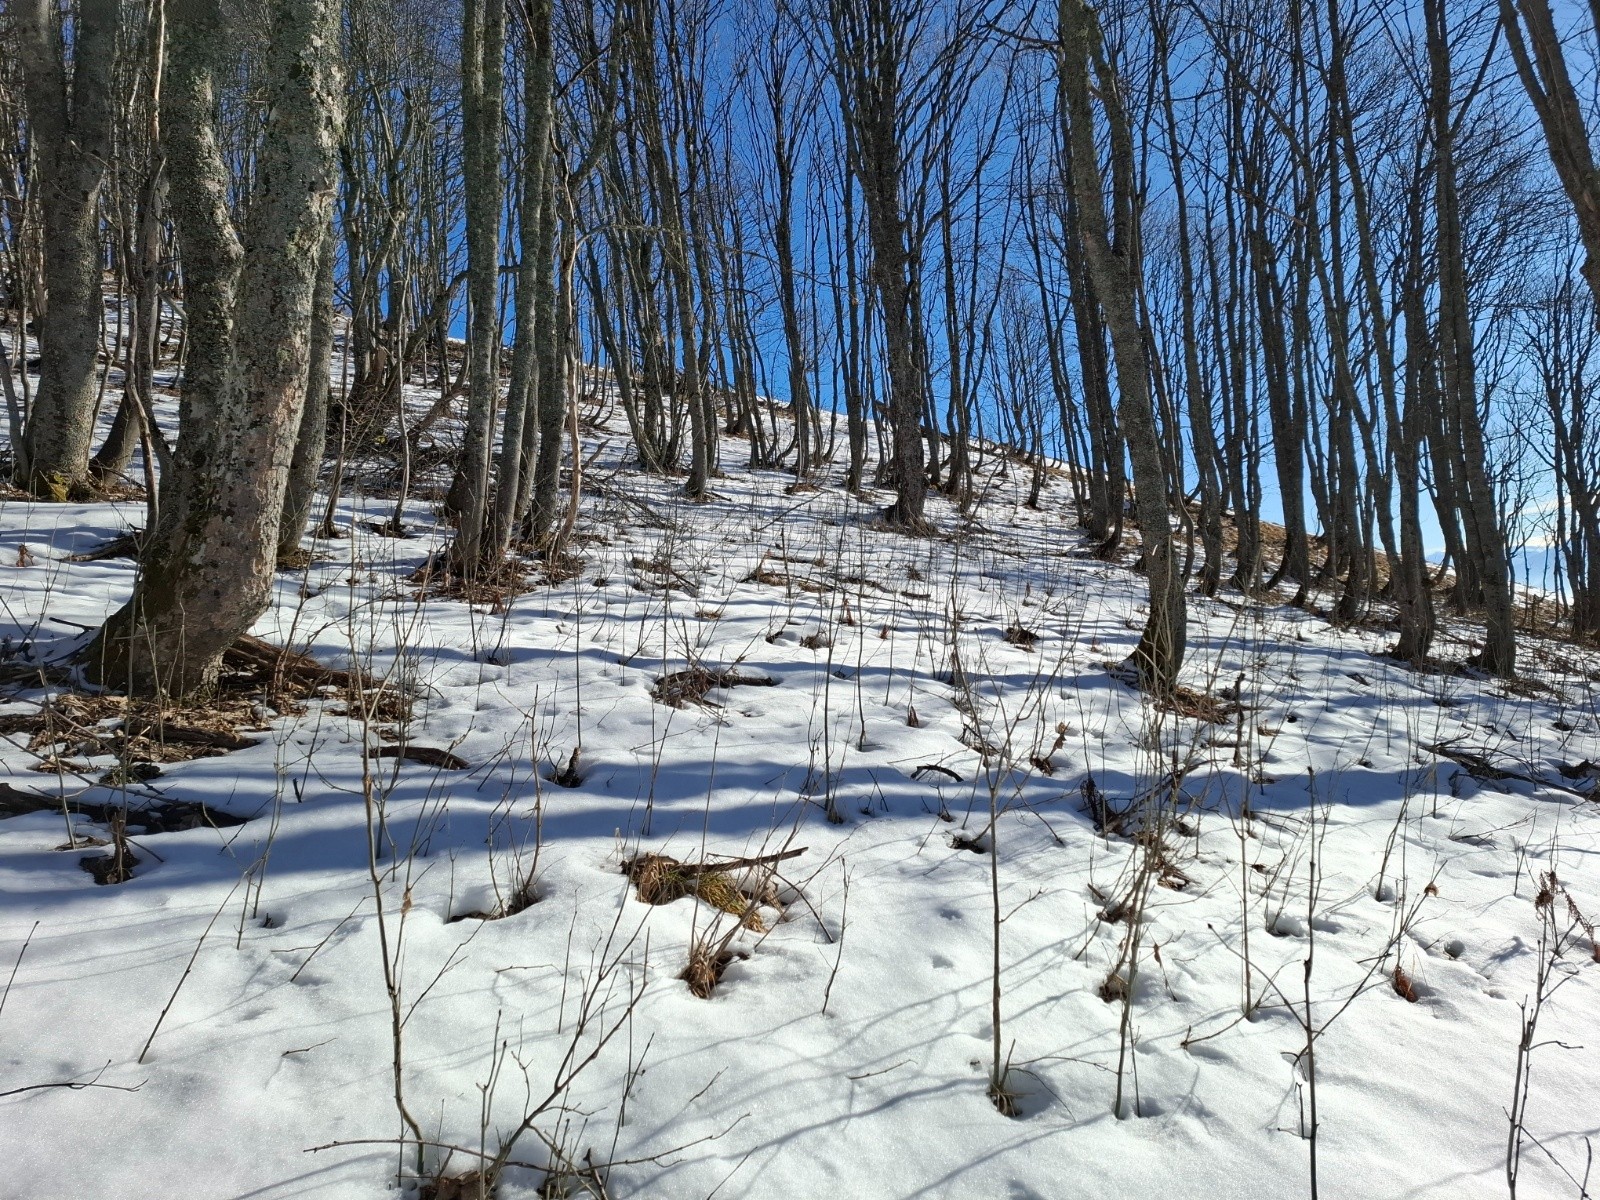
(758,1091)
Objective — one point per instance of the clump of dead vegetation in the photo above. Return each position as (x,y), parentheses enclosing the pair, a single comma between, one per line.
(1200,706)
(661,879)
(141,734)
(258,683)
(708,961)
(1552,889)
(117,865)
(666,575)
(772,577)
(1404,986)
(679,689)
(1020,637)
(440,578)
(738,887)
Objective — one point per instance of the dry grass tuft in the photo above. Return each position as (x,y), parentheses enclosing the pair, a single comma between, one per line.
(706,966)
(1200,706)
(660,879)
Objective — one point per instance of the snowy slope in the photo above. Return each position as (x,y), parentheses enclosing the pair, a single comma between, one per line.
(846,1051)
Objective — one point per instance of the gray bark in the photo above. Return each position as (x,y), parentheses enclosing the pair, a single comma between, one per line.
(207,574)
(1485,538)
(482,106)
(312,440)
(868,44)
(71,115)
(533,271)
(1542,66)
(1160,651)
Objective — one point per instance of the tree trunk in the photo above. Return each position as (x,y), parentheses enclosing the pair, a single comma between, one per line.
(1160,651)
(1549,86)
(312,441)
(534,327)
(207,574)
(869,45)
(71,115)
(482,105)
(1485,536)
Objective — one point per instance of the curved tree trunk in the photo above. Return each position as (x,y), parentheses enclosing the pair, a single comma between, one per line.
(207,575)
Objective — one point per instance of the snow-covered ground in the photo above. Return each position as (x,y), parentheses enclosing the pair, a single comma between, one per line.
(846,1051)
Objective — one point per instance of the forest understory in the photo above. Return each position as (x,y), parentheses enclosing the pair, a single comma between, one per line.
(869,599)
(762,851)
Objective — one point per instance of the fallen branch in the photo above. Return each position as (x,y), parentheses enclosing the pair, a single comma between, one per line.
(169,816)
(77,1085)
(738,864)
(428,756)
(1479,767)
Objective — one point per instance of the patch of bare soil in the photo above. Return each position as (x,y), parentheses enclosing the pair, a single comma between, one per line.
(428,756)
(153,815)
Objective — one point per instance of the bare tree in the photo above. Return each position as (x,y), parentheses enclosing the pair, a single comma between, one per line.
(1536,49)
(71,111)
(206,576)
(483,34)
(872,45)
(1114,270)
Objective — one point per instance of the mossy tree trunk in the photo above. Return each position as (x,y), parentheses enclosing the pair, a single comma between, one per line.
(207,574)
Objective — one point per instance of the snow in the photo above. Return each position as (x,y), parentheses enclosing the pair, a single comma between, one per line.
(846,1051)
